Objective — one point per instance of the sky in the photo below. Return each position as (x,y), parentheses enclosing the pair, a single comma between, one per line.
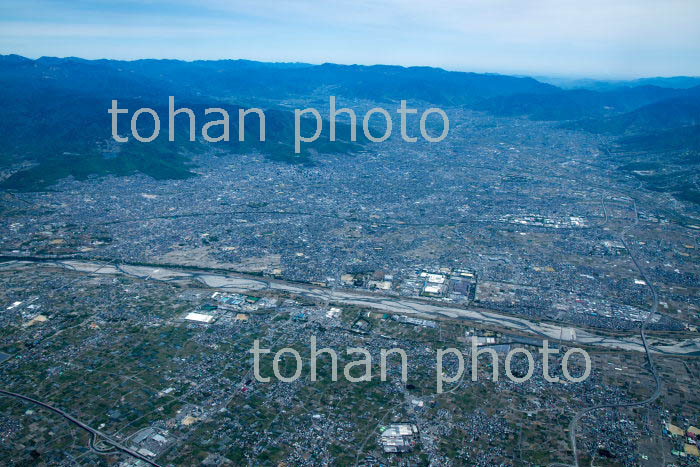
(605,39)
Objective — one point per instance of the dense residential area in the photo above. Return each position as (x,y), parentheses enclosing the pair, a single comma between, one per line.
(557,219)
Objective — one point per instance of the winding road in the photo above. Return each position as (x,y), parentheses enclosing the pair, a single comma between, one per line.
(92,431)
(573,425)
(242,283)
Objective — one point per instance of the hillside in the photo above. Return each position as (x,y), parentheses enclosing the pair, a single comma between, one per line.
(580,104)
(669,113)
(55,122)
(54,115)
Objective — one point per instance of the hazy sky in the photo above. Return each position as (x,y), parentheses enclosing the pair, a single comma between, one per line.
(599,38)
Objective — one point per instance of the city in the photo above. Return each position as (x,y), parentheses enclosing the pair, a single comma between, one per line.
(363,234)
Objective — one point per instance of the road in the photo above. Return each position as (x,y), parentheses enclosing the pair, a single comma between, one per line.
(92,431)
(242,283)
(238,282)
(573,425)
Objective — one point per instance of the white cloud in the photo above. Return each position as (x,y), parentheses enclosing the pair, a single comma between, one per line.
(537,36)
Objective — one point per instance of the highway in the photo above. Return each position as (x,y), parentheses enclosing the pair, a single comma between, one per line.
(573,425)
(92,431)
(243,283)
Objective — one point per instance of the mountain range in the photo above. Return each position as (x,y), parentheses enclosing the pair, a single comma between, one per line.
(55,124)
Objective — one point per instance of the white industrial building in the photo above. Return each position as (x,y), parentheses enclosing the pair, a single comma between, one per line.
(199,317)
